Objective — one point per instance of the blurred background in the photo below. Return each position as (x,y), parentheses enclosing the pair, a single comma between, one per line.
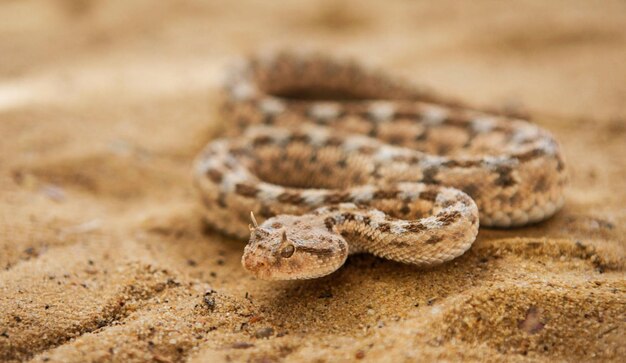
(562,57)
(104,105)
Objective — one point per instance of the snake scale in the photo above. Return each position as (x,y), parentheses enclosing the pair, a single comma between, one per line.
(340,159)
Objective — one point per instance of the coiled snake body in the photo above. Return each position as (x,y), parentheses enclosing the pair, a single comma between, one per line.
(339,159)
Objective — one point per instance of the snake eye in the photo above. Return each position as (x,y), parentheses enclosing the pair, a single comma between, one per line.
(287,251)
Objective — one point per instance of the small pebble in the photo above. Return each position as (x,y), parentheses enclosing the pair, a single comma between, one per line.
(159,287)
(209,301)
(31,252)
(264,333)
(242,345)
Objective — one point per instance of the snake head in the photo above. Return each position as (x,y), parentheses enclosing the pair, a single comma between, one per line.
(289,248)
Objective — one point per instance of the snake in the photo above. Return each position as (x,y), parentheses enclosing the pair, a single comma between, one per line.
(339,158)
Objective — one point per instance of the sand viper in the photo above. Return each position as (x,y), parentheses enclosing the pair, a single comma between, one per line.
(340,159)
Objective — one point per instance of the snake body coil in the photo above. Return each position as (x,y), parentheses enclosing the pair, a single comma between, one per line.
(340,160)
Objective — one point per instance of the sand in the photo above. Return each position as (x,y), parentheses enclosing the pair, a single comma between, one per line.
(103,254)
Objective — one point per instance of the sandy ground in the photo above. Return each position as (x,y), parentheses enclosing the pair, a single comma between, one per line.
(103,255)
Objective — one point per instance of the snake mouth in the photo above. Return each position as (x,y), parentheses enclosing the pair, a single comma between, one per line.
(264,269)
(261,267)
(257,267)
